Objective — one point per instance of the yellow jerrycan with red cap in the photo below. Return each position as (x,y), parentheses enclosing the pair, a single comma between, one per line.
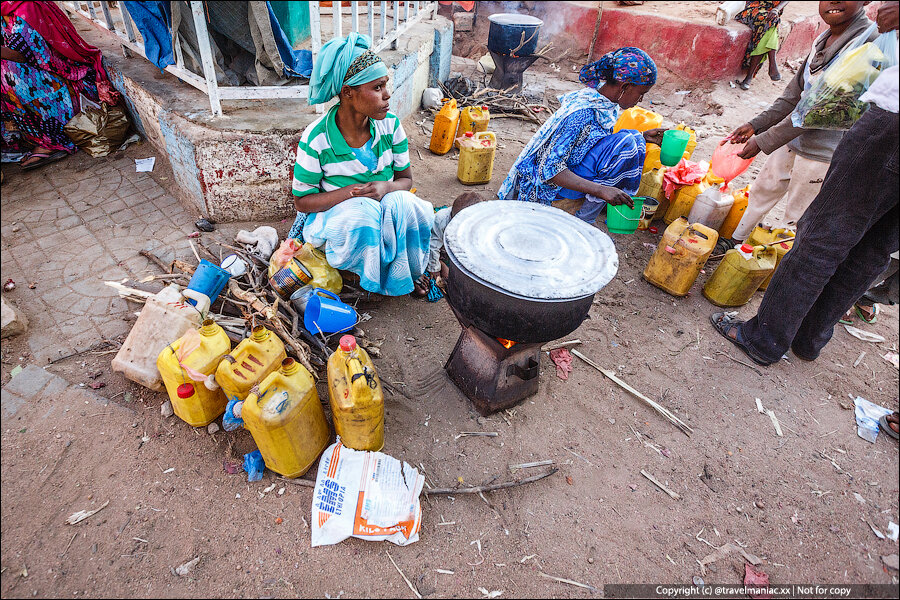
(186,364)
(681,255)
(357,399)
(739,275)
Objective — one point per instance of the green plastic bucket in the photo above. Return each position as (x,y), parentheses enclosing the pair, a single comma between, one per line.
(621,219)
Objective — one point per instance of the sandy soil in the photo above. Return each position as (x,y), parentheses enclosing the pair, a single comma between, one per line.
(597,521)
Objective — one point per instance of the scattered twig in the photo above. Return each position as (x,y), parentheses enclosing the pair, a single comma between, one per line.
(681,425)
(660,485)
(740,362)
(528,465)
(568,581)
(81,515)
(488,488)
(405,578)
(476,433)
(555,345)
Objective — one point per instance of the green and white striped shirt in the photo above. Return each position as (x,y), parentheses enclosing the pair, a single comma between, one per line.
(325,161)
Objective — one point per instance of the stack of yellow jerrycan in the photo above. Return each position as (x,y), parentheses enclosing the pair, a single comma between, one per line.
(681,254)
(683,198)
(186,364)
(476,157)
(638,119)
(252,359)
(741,201)
(472,119)
(445,125)
(357,399)
(286,419)
(780,239)
(739,275)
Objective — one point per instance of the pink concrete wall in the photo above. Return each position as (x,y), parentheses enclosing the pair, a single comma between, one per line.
(687,50)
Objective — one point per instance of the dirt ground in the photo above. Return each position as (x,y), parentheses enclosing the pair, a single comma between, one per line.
(805,503)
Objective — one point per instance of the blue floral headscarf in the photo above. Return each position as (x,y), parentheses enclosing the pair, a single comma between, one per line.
(625,65)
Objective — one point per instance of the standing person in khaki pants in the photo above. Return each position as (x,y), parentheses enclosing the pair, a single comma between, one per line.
(797,158)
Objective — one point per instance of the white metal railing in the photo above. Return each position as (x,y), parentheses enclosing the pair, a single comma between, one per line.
(393,21)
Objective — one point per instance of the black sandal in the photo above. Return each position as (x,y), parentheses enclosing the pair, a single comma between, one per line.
(724,245)
(724,322)
(886,426)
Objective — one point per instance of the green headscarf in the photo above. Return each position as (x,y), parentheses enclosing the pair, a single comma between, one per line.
(344,61)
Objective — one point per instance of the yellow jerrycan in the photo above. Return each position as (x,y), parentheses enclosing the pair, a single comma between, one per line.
(681,254)
(250,362)
(652,187)
(639,119)
(741,201)
(445,124)
(476,157)
(739,275)
(186,364)
(472,119)
(285,417)
(692,141)
(770,235)
(357,399)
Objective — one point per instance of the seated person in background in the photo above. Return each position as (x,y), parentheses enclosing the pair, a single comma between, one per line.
(352,175)
(575,155)
(432,283)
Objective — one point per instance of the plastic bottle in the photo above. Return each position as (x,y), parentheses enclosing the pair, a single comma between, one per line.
(164,318)
(445,124)
(711,207)
(472,119)
(192,400)
(357,400)
(736,213)
(639,119)
(476,157)
(770,235)
(682,252)
(286,419)
(250,362)
(739,275)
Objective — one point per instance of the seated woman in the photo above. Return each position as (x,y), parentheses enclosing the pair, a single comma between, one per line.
(47,67)
(575,156)
(352,175)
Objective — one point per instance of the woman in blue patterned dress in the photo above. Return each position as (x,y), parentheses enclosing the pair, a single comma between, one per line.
(575,155)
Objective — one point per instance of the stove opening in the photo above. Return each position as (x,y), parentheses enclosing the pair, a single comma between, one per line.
(506,343)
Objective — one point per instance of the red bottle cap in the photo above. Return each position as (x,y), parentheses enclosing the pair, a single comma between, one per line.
(746,248)
(348,343)
(469,134)
(484,107)
(185,390)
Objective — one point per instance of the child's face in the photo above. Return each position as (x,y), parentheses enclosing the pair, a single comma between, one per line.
(837,13)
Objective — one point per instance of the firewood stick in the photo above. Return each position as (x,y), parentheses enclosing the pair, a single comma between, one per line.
(155,260)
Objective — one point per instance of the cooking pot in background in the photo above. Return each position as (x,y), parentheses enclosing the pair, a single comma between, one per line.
(513,34)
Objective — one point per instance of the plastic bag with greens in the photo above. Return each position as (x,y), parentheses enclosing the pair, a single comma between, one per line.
(832,101)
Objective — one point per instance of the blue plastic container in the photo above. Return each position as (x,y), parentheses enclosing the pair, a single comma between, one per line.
(208,279)
(326,312)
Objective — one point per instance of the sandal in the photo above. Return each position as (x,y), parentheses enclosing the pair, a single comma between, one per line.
(742,84)
(886,425)
(724,245)
(847,319)
(43,157)
(725,323)
(870,320)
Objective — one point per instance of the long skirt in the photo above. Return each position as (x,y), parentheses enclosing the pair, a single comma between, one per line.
(616,161)
(386,243)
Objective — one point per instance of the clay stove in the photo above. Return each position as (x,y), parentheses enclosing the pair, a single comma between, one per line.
(492,374)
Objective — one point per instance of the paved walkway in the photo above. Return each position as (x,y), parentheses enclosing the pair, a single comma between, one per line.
(68,227)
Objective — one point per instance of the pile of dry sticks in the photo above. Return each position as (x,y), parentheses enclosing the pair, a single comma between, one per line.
(248,301)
